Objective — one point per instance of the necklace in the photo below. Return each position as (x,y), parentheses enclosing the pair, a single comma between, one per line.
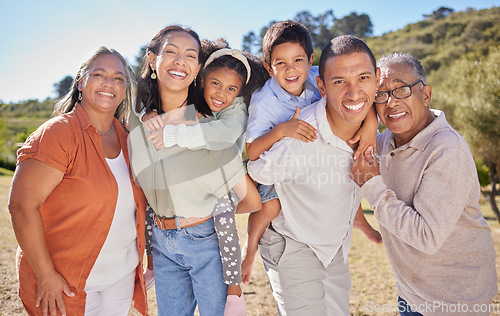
(107,133)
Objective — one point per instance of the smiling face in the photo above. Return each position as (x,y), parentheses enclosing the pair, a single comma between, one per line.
(177,64)
(105,84)
(290,66)
(221,86)
(349,86)
(404,117)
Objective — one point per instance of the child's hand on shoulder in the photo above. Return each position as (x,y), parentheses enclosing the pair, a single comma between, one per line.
(156,138)
(154,124)
(366,135)
(365,141)
(152,121)
(297,128)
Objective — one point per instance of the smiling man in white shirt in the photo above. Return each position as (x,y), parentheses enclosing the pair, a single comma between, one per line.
(305,250)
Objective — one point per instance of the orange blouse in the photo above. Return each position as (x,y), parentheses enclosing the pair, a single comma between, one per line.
(78,213)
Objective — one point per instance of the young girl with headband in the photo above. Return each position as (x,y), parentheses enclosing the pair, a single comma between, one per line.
(228,79)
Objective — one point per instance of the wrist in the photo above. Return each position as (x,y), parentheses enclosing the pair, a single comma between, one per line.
(367,178)
(45,271)
(249,256)
(278,132)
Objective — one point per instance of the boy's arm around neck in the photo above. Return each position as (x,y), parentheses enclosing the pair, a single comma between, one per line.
(294,127)
(367,133)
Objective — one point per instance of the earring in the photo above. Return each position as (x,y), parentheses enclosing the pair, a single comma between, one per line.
(153,75)
(79,95)
(195,81)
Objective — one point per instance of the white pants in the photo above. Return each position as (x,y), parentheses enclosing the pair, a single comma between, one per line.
(111,300)
(301,284)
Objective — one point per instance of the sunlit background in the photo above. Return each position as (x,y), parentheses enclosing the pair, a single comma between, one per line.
(41,42)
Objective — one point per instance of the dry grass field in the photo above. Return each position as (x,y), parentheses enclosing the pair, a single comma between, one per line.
(372,278)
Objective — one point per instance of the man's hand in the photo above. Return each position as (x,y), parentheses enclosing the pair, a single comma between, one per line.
(297,128)
(364,168)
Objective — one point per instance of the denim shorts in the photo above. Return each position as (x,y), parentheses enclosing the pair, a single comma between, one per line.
(267,192)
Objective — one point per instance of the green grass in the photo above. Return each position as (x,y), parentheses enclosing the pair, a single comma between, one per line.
(23,124)
(6,172)
(371,273)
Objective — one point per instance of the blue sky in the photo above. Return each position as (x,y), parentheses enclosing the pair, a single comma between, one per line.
(43,41)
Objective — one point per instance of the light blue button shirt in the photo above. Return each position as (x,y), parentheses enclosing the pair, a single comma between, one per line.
(272,105)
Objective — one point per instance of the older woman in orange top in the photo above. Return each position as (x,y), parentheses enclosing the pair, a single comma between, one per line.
(77,214)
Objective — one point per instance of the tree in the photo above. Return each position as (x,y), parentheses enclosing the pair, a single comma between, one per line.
(472,88)
(440,13)
(308,20)
(319,26)
(62,87)
(263,32)
(253,44)
(323,28)
(138,63)
(250,41)
(354,24)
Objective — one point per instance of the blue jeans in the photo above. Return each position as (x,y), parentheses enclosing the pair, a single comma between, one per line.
(404,308)
(188,270)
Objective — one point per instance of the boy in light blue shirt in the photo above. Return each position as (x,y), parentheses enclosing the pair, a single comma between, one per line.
(274,114)
(273,105)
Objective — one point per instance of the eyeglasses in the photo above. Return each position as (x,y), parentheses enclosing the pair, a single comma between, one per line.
(399,93)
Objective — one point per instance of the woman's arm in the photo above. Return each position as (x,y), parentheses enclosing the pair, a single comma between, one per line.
(33,182)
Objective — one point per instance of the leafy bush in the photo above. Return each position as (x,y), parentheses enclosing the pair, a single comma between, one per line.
(483,174)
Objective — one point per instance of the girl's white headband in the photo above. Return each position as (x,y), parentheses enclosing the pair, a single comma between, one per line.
(231,52)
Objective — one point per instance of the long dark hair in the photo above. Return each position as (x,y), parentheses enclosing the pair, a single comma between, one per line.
(148,94)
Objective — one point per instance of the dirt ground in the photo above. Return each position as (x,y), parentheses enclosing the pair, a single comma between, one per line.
(373,283)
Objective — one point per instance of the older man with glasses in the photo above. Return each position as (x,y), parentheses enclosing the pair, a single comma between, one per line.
(425,195)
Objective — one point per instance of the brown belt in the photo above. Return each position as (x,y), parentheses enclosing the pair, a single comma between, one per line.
(169,223)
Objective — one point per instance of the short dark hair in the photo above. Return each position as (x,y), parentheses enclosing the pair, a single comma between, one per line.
(288,31)
(344,45)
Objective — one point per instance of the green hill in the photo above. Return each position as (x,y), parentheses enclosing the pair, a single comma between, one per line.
(440,42)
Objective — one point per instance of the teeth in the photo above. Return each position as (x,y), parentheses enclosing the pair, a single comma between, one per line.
(106,94)
(397,114)
(177,73)
(293,78)
(354,107)
(217,102)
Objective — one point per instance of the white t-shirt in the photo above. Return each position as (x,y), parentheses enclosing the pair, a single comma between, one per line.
(119,254)
(318,198)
